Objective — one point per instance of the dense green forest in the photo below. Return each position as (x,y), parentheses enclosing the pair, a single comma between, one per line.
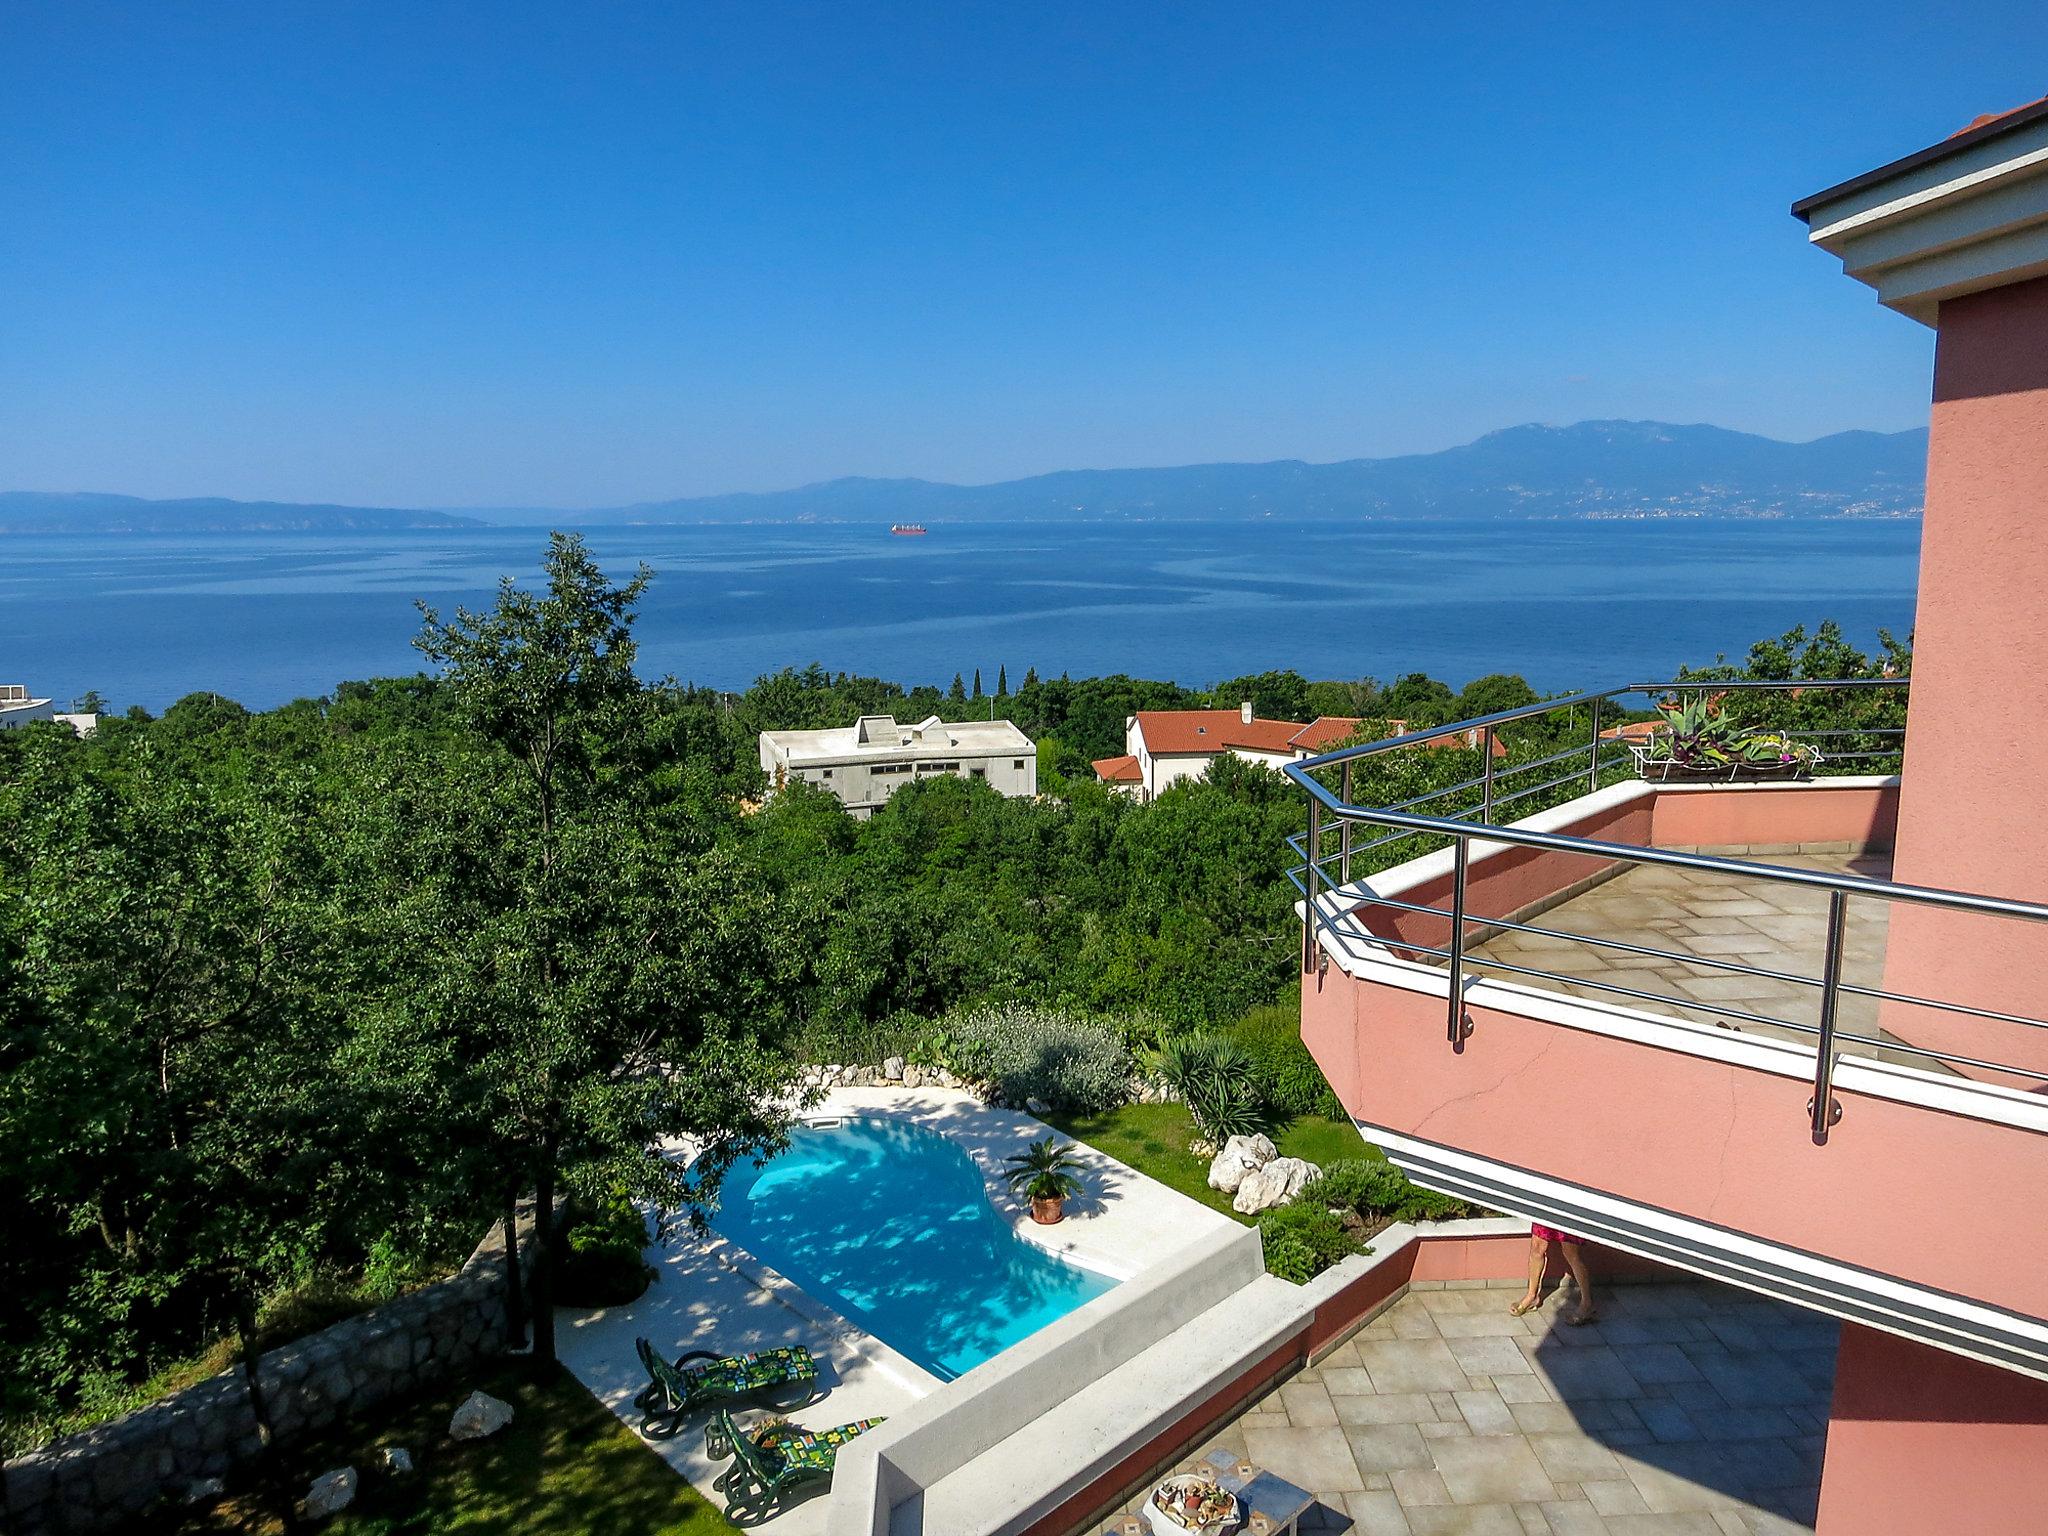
(293,1002)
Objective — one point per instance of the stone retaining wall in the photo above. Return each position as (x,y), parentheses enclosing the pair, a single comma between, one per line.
(175,1448)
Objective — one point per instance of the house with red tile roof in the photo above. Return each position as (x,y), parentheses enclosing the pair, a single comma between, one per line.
(1120,773)
(1164,746)
(1327,732)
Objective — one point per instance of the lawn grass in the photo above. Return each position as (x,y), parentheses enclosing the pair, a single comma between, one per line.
(564,1466)
(1153,1138)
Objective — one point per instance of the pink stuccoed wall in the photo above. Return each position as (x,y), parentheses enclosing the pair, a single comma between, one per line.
(1972,813)
(1891,1190)
(1772,815)
(1922,1441)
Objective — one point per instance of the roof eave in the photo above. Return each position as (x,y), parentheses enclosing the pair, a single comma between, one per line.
(1955,144)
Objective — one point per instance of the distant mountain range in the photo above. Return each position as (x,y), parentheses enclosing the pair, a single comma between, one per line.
(94,512)
(1595,469)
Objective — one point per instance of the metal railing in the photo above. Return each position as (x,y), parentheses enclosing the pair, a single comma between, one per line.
(1324,871)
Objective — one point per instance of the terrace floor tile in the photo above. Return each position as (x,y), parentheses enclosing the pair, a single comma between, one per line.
(1443,1435)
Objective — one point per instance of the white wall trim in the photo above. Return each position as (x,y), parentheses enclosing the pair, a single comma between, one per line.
(1994,1335)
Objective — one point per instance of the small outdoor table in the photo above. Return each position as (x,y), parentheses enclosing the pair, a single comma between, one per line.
(1267,1505)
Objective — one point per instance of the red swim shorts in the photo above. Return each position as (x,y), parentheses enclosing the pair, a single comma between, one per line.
(1551,1234)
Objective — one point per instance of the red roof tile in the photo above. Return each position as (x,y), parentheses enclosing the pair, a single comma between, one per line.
(1323,733)
(1634,730)
(1182,732)
(1991,117)
(1118,770)
(1469,739)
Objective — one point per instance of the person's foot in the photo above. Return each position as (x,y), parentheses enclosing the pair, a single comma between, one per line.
(1524,1307)
(1583,1316)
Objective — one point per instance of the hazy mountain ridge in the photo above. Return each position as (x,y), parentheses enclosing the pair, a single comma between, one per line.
(96,512)
(1593,469)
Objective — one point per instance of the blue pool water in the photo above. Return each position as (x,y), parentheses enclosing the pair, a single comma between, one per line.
(889,1224)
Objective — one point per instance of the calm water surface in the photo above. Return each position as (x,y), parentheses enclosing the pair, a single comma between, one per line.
(270,617)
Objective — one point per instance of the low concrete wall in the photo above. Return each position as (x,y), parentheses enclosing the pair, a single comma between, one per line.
(882,1475)
(943,1432)
(105,1477)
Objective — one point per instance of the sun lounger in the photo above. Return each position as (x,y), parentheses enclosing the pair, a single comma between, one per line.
(781,1378)
(769,1463)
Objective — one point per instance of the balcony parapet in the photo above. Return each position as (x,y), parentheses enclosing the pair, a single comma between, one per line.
(1585,1079)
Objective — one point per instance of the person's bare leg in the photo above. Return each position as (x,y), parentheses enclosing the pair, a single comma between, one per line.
(1575,1261)
(1539,1260)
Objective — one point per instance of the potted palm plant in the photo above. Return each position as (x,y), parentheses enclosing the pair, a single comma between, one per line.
(1045,1175)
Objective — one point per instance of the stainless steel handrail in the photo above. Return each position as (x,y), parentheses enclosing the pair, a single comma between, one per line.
(1312,878)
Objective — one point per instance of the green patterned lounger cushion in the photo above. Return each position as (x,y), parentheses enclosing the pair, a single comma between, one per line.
(749,1373)
(784,1451)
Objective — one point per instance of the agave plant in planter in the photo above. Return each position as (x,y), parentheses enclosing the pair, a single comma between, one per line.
(1045,1175)
(1696,741)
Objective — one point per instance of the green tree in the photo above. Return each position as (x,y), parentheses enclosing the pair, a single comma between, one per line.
(595,995)
(1493,693)
(1421,700)
(1273,695)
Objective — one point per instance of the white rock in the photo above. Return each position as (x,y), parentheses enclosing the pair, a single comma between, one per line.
(1275,1184)
(396,1460)
(892,1069)
(913,1075)
(331,1493)
(480,1415)
(1037,1107)
(204,1490)
(1240,1156)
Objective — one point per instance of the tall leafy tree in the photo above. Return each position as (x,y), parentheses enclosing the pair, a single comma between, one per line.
(601,994)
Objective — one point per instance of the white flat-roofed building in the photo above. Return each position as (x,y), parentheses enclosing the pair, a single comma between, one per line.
(866,762)
(17,708)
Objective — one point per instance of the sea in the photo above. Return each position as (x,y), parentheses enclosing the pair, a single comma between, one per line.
(266,618)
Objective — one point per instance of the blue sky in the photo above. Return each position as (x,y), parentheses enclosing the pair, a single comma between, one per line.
(470,254)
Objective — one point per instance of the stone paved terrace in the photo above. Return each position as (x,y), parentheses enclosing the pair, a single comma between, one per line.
(1709,918)
(1687,1409)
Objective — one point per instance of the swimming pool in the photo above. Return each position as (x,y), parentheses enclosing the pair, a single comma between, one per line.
(890,1224)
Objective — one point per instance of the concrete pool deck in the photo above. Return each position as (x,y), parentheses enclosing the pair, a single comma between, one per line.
(714,1295)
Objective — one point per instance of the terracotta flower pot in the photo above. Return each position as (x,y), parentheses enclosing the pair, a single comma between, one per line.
(1047,1209)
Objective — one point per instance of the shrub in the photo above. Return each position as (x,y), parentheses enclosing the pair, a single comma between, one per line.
(1428,1205)
(1289,1257)
(857,1042)
(1380,1189)
(1302,1240)
(1357,1184)
(1070,1060)
(1289,1080)
(599,1262)
(1216,1079)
